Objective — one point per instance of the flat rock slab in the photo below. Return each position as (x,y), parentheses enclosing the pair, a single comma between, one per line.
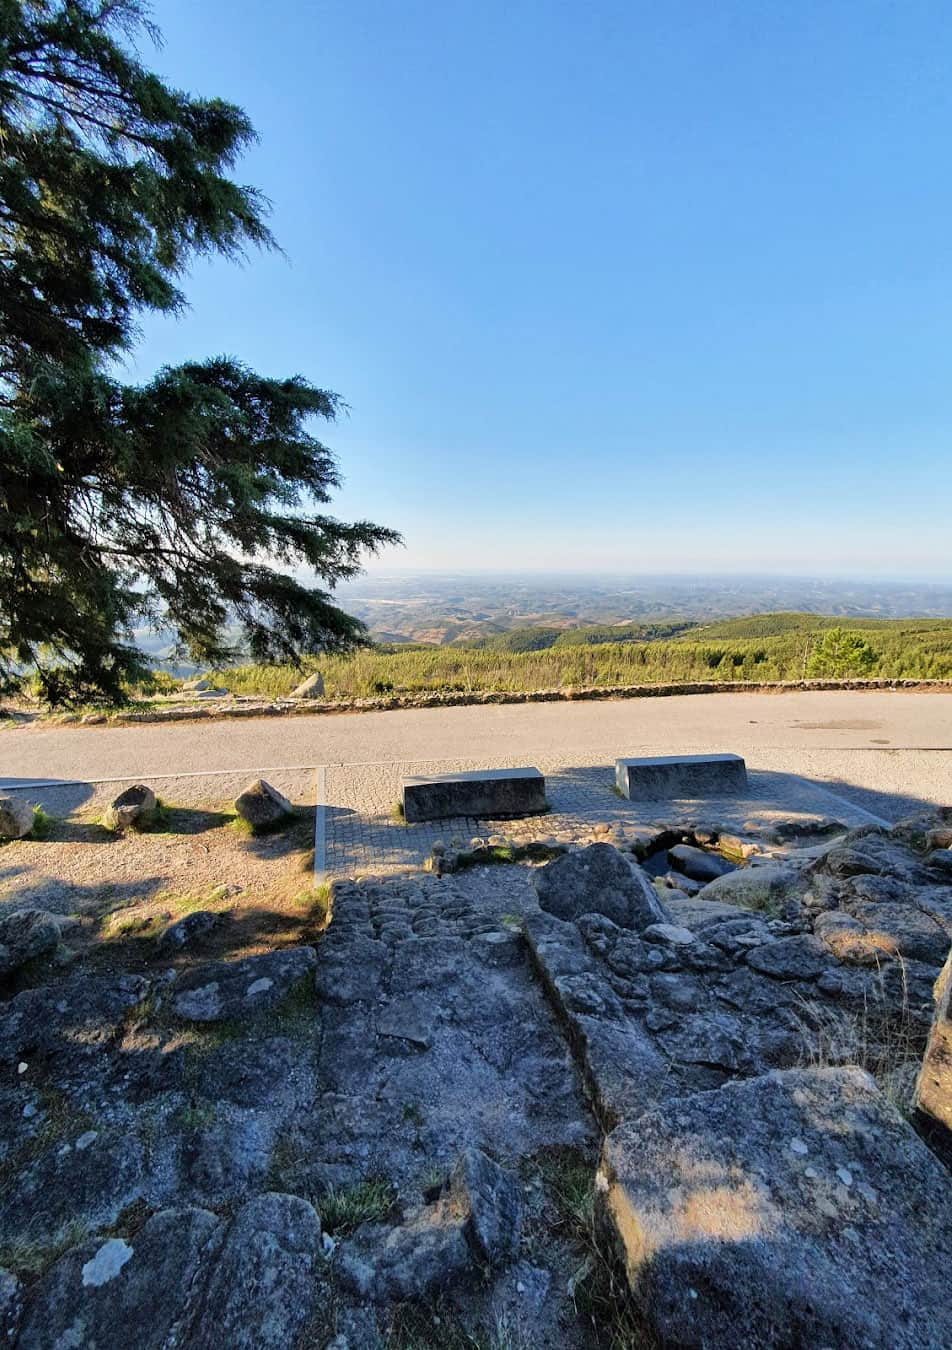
(798,1208)
(224,989)
(485,792)
(681,776)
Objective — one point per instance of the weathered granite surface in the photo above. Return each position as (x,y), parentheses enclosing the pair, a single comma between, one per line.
(797,1209)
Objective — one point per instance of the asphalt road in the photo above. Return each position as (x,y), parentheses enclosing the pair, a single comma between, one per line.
(886,751)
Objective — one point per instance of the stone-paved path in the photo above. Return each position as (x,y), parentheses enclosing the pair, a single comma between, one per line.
(363,836)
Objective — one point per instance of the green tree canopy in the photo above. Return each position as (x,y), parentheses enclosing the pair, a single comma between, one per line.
(190,501)
(840,654)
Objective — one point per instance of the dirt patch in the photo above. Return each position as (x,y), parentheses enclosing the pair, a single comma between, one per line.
(123,890)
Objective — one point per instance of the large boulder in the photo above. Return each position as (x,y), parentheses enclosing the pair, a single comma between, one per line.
(262,805)
(697,863)
(312,687)
(24,935)
(132,807)
(794,1209)
(934,1087)
(598,880)
(772,889)
(262,1289)
(123,1292)
(16,817)
(185,1279)
(221,990)
(68,1025)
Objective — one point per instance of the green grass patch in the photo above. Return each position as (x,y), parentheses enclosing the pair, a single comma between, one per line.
(344,1208)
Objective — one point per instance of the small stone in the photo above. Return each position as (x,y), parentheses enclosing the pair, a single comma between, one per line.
(16,818)
(798,1146)
(312,687)
(262,805)
(132,807)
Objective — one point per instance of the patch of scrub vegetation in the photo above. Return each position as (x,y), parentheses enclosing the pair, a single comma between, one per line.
(763,648)
(344,1208)
(887,1042)
(435,1326)
(28,1257)
(597,1285)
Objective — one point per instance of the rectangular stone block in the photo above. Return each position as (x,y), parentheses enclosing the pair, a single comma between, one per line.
(485,792)
(675,776)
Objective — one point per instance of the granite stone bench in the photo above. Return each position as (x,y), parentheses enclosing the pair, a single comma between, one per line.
(681,776)
(485,792)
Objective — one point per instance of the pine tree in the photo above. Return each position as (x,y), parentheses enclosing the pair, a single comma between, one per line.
(186,502)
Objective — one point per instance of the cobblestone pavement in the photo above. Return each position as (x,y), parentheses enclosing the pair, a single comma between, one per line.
(364,835)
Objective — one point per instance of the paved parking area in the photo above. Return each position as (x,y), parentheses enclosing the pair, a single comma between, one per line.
(363,835)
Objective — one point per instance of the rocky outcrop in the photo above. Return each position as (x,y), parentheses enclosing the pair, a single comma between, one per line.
(934,1087)
(796,1209)
(598,880)
(222,990)
(187,1278)
(24,935)
(475,1222)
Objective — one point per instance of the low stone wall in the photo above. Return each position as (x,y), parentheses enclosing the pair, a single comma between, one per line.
(245,707)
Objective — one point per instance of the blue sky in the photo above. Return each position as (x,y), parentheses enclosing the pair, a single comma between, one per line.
(665,287)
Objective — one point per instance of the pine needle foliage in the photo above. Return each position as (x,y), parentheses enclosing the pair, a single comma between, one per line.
(187,502)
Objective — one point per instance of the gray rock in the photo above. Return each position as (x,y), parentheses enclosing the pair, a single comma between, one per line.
(888,909)
(89,1178)
(262,1290)
(350,967)
(677,881)
(490,1197)
(11,1306)
(794,1209)
(262,805)
(934,1087)
(65,1025)
(699,914)
(424,1254)
(873,852)
(16,817)
(220,990)
(792,958)
(770,889)
(476,1220)
(132,807)
(312,687)
(192,928)
(216,1164)
(116,1292)
(668,933)
(697,864)
(598,880)
(809,828)
(24,935)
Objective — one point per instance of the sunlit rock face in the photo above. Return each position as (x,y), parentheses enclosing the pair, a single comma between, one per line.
(798,1208)
(934,1088)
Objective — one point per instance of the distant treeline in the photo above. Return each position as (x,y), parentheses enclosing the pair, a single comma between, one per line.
(763,648)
